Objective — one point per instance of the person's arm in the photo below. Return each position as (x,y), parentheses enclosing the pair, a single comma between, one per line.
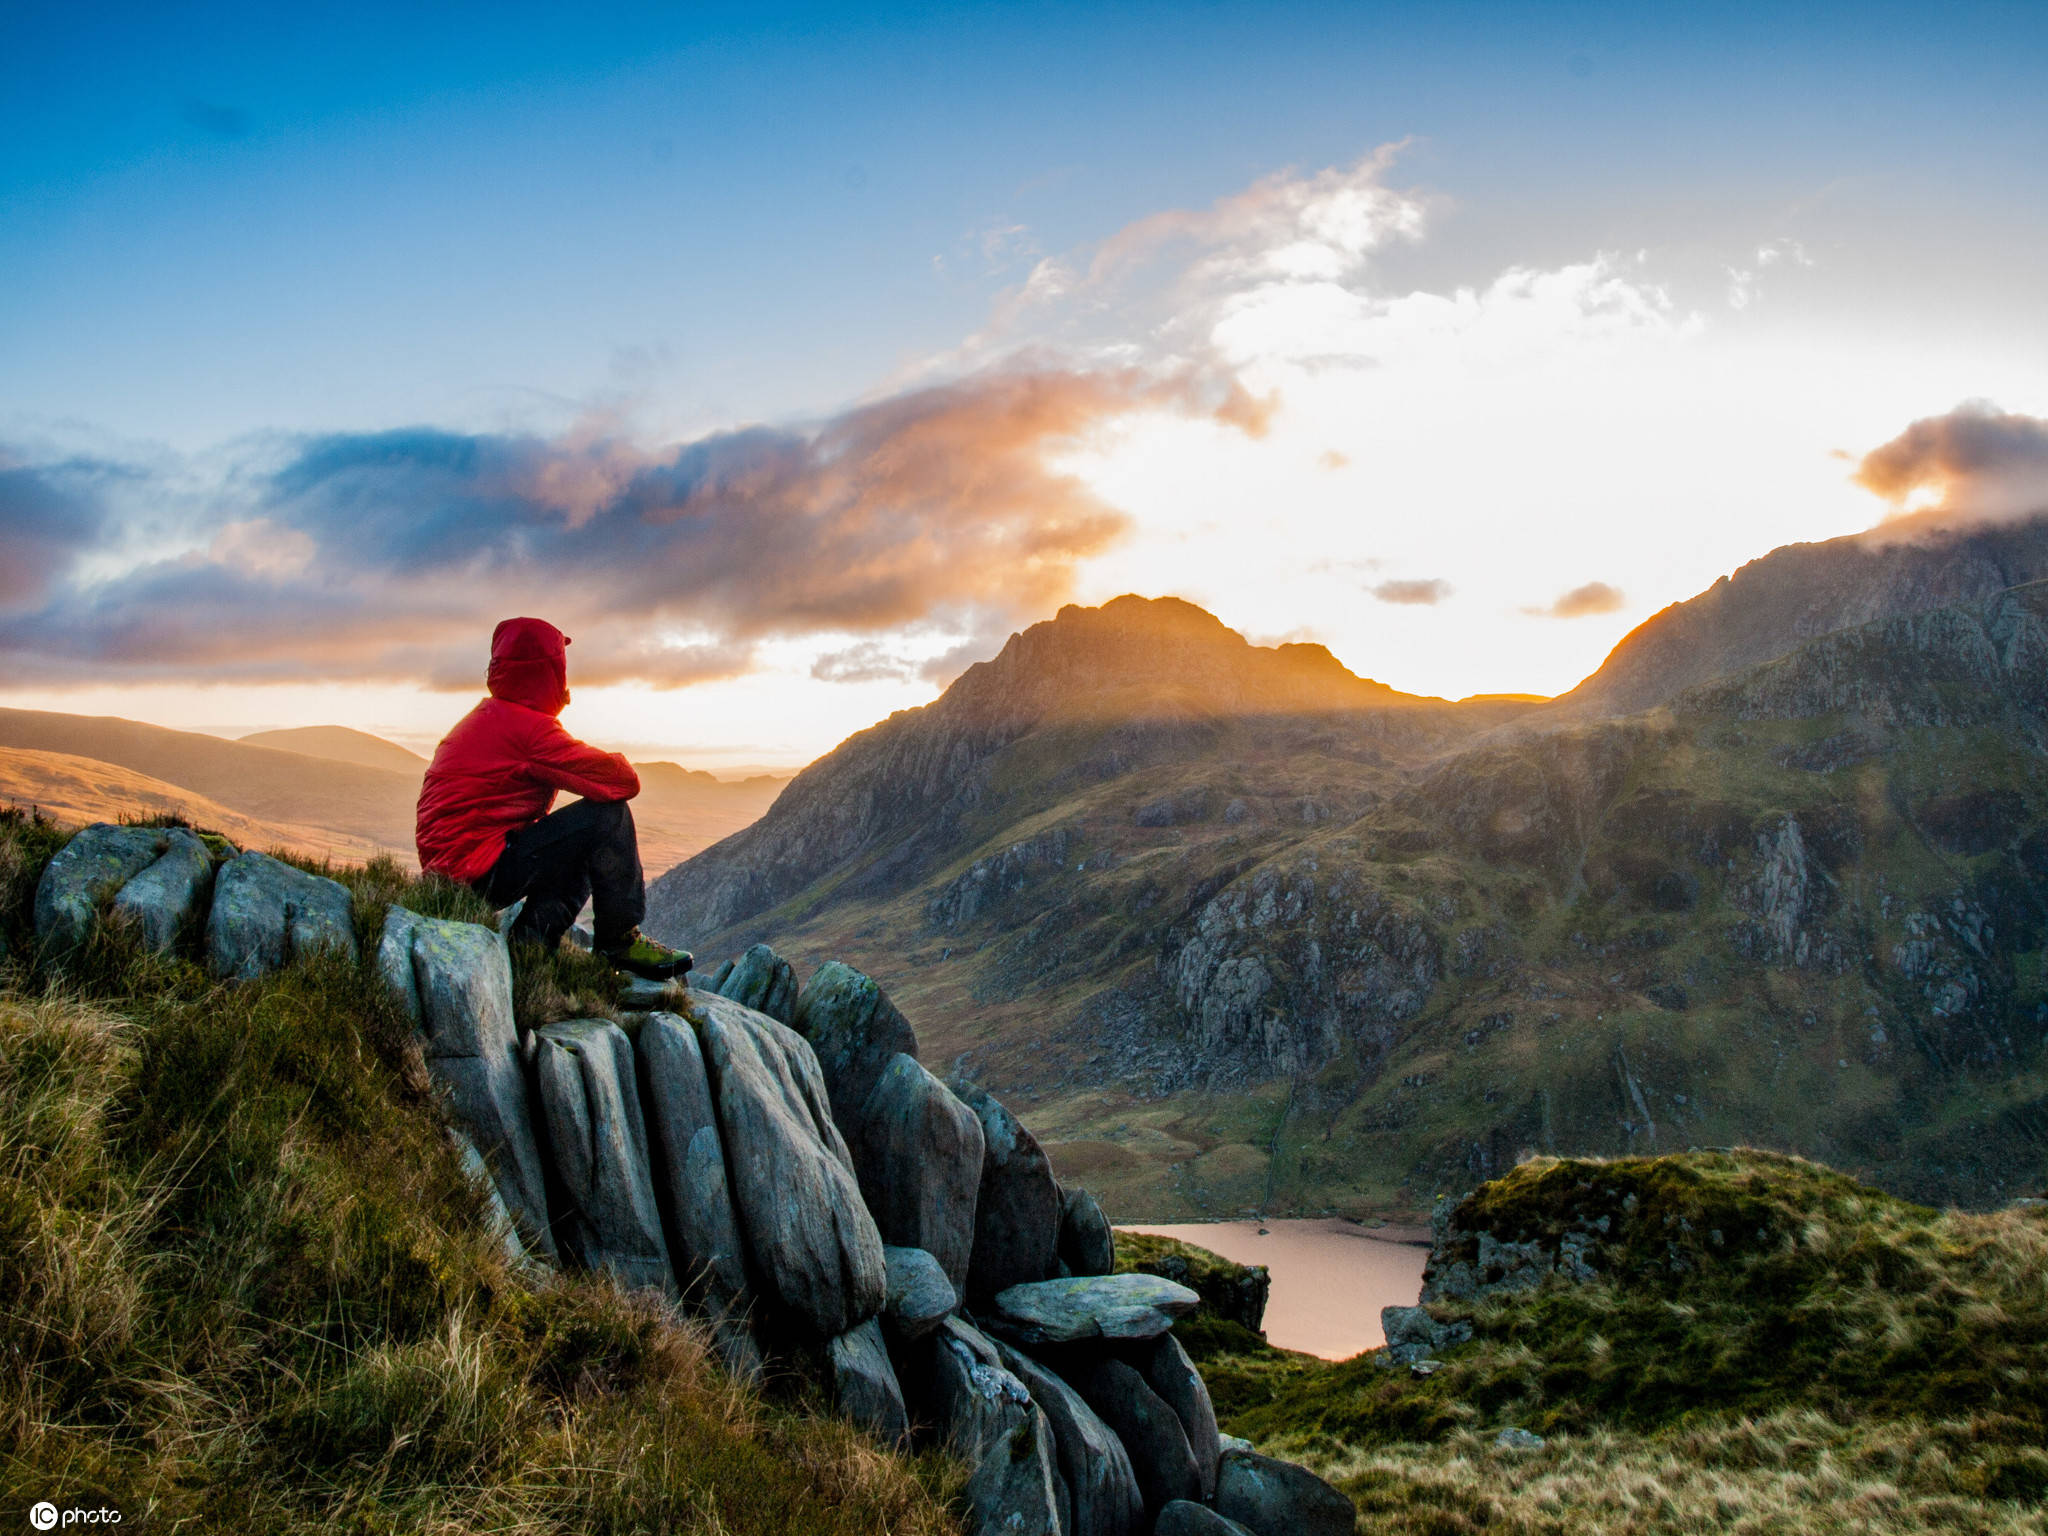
(560,760)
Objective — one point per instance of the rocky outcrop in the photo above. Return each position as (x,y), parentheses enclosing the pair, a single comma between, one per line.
(864,1384)
(807,1231)
(266,914)
(589,1095)
(154,880)
(919,1153)
(855,1031)
(1169,1372)
(761,980)
(1149,1430)
(987,1415)
(1265,1494)
(920,1297)
(455,981)
(1102,1490)
(1017,1207)
(1087,1243)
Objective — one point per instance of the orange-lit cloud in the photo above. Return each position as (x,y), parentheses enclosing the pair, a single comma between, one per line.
(1417,593)
(1595,597)
(1974,464)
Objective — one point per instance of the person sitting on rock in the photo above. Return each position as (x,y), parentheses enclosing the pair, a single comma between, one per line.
(485,818)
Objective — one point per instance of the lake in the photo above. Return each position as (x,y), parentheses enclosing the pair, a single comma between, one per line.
(1330,1276)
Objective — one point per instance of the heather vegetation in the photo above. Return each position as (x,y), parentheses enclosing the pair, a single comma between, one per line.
(248,1286)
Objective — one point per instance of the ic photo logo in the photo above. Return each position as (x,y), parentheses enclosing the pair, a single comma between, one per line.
(46,1516)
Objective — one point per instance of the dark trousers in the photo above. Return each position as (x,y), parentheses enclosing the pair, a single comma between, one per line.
(587,851)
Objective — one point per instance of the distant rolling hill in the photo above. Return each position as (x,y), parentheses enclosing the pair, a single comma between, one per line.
(337,743)
(81,790)
(1240,930)
(319,788)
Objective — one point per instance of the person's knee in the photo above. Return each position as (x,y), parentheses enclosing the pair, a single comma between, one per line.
(613,813)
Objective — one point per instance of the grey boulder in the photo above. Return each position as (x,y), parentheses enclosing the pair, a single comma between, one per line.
(761,980)
(920,1297)
(1412,1334)
(266,914)
(91,868)
(690,1187)
(810,1237)
(854,1029)
(589,1096)
(1017,1208)
(171,892)
(1270,1496)
(1133,1306)
(455,980)
(988,1417)
(1102,1490)
(1182,1518)
(1169,1372)
(918,1151)
(1149,1429)
(1087,1245)
(864,1384)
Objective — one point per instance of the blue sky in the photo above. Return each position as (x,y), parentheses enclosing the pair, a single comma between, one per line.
(228,234)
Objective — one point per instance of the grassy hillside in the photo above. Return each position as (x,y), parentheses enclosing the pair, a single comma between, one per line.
(249,1288)
(1766,1346)
(1251,962)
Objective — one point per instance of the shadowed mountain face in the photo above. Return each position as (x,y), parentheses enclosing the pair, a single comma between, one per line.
(1356,951)
(1798,593)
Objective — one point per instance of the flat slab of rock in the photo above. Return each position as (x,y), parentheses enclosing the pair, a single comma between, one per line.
(1268,1495)
(1169,1372)
(854,1029)
(864,1384)
(590,1099)
(1087,1243)
(91,868)
(1102,1490)
(920,1296)
(267,914)
(1149,1429)
(455,980)
(1017,1208)
(918,1151)
(690,1183)
(761,980)
(806,1228)
(1133,1306)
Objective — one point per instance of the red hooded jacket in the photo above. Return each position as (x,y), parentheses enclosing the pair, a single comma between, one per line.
(498,770)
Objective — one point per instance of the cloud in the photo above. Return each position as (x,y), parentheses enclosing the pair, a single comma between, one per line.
(1974,464)
(1594,597)
(867,662)
(391,554)
(47,521)
(1424,593)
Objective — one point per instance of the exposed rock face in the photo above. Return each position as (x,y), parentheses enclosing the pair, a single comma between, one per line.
(920,1296)
(988,1416)
(1017,1209)
(1087,1244)
(808,1232)
(1168,1371)
(919,1152)
(1132,1306)
(1102,1491)
(1148,1429)
(589,1095)
(1268,1495)
(855,1030)
(168,894)
(455,979)
(864,1384)
(704,1243)
(267,914)
(101,862)
(761,980)
(1412,1334)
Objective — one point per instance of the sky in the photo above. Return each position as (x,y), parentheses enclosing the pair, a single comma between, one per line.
(791,358)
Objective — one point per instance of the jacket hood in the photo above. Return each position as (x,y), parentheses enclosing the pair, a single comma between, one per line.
(530,665)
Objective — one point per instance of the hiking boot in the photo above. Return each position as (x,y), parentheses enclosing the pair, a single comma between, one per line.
(641,956)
